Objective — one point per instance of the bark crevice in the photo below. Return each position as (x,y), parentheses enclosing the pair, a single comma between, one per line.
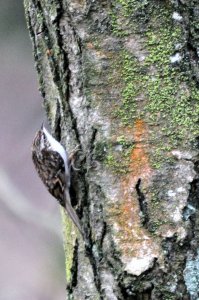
(142,204)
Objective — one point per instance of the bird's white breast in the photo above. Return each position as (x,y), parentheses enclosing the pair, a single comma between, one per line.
(56,146)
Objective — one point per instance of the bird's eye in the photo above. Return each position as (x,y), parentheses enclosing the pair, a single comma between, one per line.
(38,143)
(37,140)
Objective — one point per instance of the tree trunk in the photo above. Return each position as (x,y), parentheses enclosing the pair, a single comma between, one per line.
(119,78)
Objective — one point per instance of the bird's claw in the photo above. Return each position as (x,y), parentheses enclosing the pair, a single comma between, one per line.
(72,158)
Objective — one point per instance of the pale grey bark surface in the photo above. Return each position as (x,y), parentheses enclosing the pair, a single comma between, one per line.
(120,78)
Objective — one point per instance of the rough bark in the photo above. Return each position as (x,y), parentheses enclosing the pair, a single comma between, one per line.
(120,78)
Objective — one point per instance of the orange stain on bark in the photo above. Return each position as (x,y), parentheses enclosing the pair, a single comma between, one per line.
(132,235)
(139,165)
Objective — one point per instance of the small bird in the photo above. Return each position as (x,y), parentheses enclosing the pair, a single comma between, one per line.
(53,167)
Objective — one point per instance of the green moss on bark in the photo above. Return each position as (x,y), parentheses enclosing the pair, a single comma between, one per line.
(156,88)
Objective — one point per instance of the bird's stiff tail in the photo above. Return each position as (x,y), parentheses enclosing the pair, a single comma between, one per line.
(71,212)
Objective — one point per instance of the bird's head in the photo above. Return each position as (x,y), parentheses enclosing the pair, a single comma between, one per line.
(40,141)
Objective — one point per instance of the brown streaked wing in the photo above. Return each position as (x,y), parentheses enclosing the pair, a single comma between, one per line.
(51,170)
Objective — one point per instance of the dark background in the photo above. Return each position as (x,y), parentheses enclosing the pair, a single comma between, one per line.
(31,251)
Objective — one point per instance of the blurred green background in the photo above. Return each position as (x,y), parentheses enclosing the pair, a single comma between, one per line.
(31,251)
